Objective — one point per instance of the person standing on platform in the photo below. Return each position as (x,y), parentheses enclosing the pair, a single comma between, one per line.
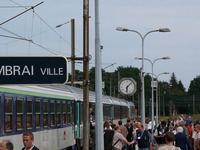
(169,139)
(6,145)
(197,137)
(160,132)
(143,138)
(119,139)
(181,140)
(28,139)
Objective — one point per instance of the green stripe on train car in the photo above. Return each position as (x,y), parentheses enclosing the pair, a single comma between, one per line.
(34,94)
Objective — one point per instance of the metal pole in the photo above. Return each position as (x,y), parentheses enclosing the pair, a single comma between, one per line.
(157,104)
(142,90)
(72,51)
(86,74)
(164,104)
(99,143)
(142,69)
(152,102)
(110,86)
(193,99)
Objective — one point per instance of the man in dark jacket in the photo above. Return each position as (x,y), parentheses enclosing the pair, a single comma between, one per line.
(143,138)
(181,140)
(160,132)
(28,139)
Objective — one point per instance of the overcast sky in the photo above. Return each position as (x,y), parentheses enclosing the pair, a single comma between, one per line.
(182,44)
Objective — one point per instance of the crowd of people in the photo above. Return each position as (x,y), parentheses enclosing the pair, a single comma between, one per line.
(28,139)
(182,133)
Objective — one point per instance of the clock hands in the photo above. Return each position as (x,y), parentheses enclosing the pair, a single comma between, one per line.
(128,86)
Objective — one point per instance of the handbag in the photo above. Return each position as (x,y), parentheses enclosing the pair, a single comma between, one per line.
(197,144)
(115,143)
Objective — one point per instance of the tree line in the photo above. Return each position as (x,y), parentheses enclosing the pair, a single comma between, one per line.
(172,96)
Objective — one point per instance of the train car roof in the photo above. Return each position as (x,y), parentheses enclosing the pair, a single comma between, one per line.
(118,101)
(78,93)
(60,92)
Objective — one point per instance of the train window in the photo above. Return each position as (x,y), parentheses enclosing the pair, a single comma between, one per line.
(37,111)
(132,113)
(117,112)
(92,113)
(64,116)
(69,112)
(45,113)
(29,117)
(8,107)
(124,112)
(72,114)
(52,116)
(58,113)
(20,108)
(106,112)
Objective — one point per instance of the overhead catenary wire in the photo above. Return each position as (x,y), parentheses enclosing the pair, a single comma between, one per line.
(18,37)
(41,19)
(53,29)
(19,5)
(15,6)
(20,14)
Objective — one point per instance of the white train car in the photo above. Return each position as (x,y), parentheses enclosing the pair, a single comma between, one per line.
(53,113)
(47,112)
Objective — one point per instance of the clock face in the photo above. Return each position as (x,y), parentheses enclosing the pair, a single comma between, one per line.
(127,86)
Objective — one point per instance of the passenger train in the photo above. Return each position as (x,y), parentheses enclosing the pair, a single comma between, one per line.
(53,113)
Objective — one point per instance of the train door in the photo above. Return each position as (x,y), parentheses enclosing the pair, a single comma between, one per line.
(78,123)
(78,119)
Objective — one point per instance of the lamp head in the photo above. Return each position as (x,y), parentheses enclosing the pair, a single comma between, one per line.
(138,58)
(167,57)
(122,29)
(58,25)
(164,30)
(166,73)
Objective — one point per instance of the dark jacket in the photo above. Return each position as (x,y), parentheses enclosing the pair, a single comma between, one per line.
(143,139)
(108,139)
(181,141)
(34,148)
(161,140)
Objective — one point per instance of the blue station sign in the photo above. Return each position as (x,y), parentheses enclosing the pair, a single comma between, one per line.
(33,70)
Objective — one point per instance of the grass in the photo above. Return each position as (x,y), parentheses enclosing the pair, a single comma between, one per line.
(196,116)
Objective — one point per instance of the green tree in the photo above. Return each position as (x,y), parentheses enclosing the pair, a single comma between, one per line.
(177,87)
(194,88)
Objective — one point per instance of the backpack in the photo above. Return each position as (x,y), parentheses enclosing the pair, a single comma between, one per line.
(108,139)
(144,141)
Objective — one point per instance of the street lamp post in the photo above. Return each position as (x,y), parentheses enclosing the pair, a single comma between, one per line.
(141,74)
(152,86)
(157,95)
(72,48)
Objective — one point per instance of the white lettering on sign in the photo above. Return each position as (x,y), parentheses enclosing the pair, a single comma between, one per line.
(16,70)
(51,71)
